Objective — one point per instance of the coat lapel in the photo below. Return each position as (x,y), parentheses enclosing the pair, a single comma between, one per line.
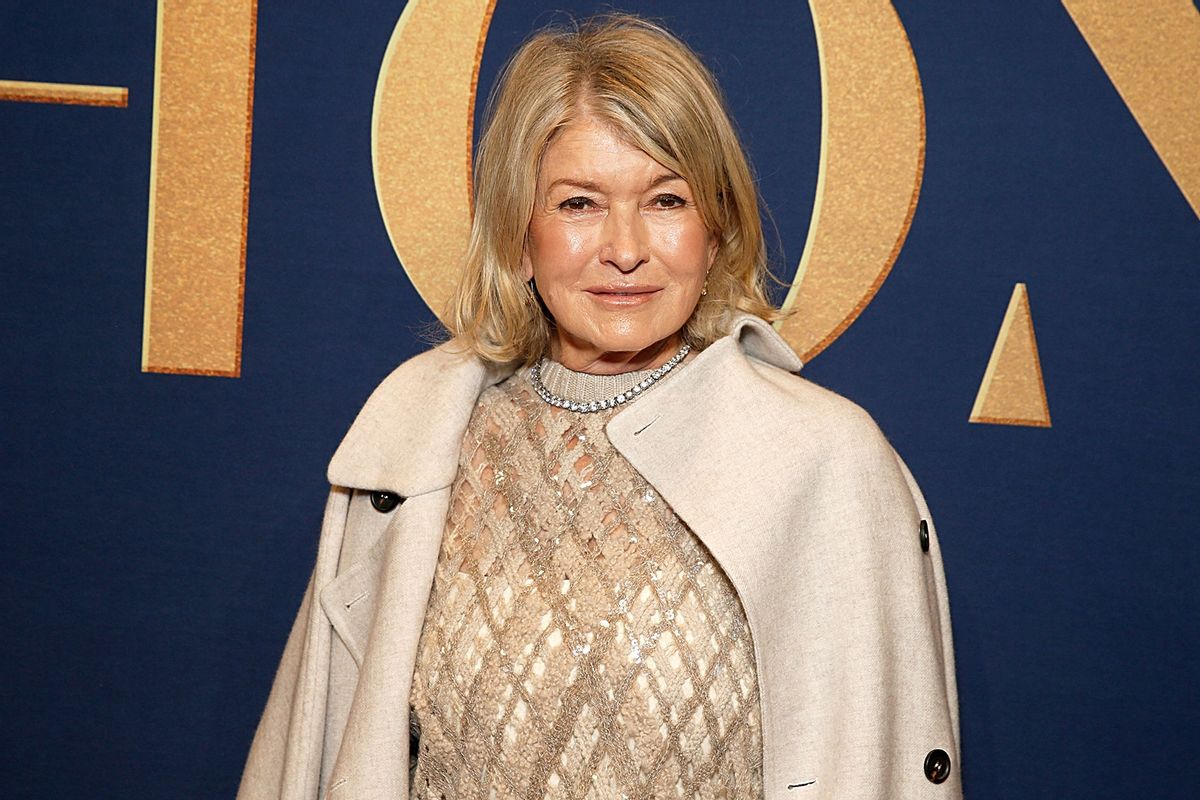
(372,761)
(407,436)
(406,440)
(720,466)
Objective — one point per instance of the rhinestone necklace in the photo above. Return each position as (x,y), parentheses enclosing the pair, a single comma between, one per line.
(535,378)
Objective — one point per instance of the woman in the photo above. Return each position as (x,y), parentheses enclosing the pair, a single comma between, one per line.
(605,543)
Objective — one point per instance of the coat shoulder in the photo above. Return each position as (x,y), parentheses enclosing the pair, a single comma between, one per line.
(757,355)
(820,414)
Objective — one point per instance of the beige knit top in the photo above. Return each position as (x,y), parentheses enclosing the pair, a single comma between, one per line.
(580,641)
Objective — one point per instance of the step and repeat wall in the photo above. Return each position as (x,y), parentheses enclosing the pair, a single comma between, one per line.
(222,222)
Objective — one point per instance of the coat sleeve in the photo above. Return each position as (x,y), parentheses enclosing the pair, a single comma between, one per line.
(286,754)
(938,606)
(881,683)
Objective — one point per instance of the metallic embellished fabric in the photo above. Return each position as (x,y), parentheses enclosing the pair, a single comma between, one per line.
(580,642)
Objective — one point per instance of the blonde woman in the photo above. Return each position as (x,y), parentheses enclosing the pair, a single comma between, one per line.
(605,542)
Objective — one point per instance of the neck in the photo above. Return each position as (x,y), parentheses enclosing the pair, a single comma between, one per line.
(582,357)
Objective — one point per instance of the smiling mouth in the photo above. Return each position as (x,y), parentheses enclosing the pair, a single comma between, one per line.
(622,291)
(623,295)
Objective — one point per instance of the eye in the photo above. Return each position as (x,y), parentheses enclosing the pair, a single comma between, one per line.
(576,204)
(669,201)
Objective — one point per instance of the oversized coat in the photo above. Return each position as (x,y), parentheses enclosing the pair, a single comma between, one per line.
(794,490)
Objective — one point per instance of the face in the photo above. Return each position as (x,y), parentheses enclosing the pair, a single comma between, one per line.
(617,249)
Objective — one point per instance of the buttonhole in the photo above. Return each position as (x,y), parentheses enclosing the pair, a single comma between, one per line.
(355,600)
(639,431)
(802,785)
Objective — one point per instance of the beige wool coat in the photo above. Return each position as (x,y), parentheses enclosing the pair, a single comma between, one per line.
(794,490)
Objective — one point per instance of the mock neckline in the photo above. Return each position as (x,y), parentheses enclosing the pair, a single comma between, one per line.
(586,387)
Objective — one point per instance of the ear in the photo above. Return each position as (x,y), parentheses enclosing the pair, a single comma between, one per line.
(714,246)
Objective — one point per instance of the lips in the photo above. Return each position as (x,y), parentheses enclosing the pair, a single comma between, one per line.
(622,290)
(623,295)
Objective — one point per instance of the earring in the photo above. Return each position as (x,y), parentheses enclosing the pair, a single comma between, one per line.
(704,288)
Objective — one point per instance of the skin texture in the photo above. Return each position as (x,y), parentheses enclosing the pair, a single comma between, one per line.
(617,250)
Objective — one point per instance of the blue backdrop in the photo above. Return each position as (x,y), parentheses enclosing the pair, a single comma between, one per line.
(158,529)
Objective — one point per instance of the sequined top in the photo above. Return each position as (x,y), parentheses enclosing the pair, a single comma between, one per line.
(580,641)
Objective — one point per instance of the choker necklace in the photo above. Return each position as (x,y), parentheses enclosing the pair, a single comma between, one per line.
(630,394)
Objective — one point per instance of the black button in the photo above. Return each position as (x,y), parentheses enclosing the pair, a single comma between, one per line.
(385,501)
(937,766)
(925,549)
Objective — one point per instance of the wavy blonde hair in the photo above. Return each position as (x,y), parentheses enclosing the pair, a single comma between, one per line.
(651,88)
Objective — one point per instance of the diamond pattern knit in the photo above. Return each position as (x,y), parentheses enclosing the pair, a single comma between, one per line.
(580,641)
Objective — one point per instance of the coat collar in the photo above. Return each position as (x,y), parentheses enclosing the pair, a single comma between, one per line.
(407,437)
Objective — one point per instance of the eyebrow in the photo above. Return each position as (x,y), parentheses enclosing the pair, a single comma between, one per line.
(592,186)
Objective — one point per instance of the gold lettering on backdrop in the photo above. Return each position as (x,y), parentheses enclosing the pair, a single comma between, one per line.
(65,93)
(1151,53)
(869,176)
(872,154)
(1012,391)
(421,138)
(199,186)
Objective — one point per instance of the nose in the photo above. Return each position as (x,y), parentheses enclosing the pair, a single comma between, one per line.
(625,244)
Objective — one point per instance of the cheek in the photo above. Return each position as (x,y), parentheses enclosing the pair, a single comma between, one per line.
(557,250)
(557,260)
(689,249)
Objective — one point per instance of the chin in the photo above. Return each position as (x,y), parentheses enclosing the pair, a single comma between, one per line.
(633,341)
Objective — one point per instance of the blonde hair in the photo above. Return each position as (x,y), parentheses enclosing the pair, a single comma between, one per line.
(651,88)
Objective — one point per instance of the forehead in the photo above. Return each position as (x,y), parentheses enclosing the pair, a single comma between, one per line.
(590,149)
